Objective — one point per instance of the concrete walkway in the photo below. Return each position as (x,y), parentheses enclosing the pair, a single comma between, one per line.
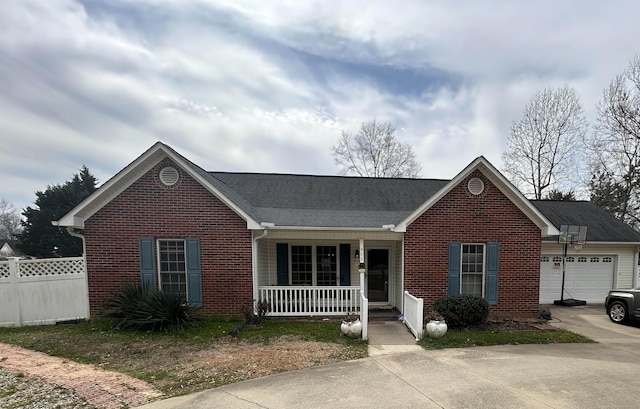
(388,337)
(580,376)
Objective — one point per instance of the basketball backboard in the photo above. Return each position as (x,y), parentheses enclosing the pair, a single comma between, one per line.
(572,234)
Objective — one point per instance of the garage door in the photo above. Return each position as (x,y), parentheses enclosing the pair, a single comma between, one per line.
(588,277)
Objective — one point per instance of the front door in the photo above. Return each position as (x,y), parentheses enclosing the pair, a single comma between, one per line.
(378,275)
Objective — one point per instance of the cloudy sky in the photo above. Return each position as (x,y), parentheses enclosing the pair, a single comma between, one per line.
(264,86)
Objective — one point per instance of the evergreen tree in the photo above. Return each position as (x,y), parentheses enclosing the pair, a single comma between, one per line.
(555,194)
(616,197)
(39,237)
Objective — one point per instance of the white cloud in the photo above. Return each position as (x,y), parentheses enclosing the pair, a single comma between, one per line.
(268,86)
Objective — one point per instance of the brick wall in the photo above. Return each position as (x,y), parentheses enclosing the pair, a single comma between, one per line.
(461,216)
(150,209)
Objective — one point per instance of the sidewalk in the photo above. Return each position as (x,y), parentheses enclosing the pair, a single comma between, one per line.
(388,337)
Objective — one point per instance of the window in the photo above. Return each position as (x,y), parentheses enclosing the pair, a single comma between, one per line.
(582,259)
(595,259)
(569,259)
(557,259)
(301,265)
(172,267)
(472,269)
(326,265)
(544,259)
(320,265)
(607,260)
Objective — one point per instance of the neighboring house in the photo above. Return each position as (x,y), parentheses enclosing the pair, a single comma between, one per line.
(224,239)
(609,259)
(9,248)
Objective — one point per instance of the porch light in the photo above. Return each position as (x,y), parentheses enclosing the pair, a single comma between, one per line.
(357,254)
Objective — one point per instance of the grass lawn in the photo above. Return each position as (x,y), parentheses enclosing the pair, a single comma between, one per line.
(461,338)
(195,359)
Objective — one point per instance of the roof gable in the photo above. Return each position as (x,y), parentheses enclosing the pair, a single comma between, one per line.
(491,173)
(136,169)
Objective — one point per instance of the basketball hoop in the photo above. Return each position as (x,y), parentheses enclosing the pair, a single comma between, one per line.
(577,246)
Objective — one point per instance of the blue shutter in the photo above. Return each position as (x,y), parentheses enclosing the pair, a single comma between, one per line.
(194,273)
(491,289)
(454,267)
(282,255)
(147,263)
(345,264)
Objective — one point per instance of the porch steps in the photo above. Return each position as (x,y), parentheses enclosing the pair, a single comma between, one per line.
(383,314)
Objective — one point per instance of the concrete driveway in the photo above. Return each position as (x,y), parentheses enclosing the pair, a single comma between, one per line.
(602,375)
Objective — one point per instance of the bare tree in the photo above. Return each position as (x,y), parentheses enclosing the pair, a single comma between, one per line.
(619,109)
(9,220)
(375,152)
(543,147)
(615,147)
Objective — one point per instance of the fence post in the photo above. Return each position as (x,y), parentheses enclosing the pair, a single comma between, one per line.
(13,274)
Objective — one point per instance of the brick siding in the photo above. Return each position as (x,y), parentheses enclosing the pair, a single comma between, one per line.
(149,209)
(461,216)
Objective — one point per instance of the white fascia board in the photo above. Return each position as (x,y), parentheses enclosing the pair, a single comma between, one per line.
(132,172)
(597,243)
(318,228)
(516,197)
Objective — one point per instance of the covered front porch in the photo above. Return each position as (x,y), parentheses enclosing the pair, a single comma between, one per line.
(327,273)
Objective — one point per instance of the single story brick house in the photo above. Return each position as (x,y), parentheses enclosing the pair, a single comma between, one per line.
(311,245)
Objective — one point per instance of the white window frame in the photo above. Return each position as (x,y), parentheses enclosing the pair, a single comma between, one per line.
(159,264)
(314,266)
(484,265)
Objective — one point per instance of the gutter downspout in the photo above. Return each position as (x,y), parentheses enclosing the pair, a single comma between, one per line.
(74,233)
(254,258)
(636,279)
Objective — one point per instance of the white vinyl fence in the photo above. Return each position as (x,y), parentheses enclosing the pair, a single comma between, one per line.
(43,291)
(414,314)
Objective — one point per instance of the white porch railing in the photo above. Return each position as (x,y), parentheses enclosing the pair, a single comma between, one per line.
(364,315)
(307,301)
(43,291)
(414,314)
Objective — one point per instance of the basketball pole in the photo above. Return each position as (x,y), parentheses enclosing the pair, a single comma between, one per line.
(564,268)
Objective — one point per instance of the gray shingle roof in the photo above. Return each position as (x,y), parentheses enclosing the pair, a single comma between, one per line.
(328,201)
(355,202)
(601,225)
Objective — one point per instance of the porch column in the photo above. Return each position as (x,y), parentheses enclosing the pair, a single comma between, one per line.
(361,266)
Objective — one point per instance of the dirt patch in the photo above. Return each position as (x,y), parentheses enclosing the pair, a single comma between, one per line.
(171,369)
(180,369)
(522,324)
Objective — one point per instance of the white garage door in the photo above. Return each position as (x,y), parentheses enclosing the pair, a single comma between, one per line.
(588,278)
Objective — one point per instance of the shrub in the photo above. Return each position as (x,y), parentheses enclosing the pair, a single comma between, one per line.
(135,307)
(462,311)
(255,315)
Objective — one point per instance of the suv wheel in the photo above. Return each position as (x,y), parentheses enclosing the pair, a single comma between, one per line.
(617,312)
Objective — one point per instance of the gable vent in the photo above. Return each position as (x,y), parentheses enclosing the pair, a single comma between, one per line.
(475,186)
(169,176)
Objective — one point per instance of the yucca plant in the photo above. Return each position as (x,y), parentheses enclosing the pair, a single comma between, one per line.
(136,307)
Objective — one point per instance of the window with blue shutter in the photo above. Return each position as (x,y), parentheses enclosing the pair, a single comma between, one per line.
(282,256)
(454,268)
(345,264)
(178,269)
(194,273)
(147,262)
(491,286)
